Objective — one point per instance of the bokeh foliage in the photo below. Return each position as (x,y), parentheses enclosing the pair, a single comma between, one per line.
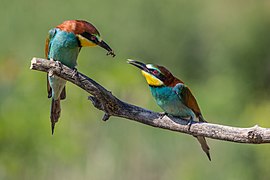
(219,48)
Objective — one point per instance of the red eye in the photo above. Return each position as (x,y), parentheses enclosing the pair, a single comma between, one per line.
(155,72)
(93,38)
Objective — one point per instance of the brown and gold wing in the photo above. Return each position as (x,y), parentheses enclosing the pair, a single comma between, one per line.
(47,42)
(190,101)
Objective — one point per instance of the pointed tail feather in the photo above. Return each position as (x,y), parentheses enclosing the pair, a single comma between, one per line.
(49,89)
(63,94)
(204,146)
(55,112)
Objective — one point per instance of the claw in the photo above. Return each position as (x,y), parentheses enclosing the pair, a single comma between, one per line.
(59,64)
(189,123)
(74,72)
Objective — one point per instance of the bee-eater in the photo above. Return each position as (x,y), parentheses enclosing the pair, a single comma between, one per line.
(63,44)
(172,95)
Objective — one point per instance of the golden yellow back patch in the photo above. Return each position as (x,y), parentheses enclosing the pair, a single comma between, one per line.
(152,80)
(85,42)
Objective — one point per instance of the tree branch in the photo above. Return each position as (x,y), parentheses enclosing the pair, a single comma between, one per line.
(104,100)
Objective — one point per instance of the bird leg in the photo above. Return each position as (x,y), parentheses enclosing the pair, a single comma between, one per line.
(189,123)
(74,72)
(59,64)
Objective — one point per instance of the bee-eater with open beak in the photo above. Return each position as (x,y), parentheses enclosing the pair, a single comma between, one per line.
(172,95)
(63,44)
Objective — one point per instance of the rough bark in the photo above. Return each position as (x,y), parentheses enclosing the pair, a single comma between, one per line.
(105,101)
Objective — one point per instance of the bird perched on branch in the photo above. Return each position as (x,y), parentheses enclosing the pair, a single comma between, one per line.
(172,95)
(63,44)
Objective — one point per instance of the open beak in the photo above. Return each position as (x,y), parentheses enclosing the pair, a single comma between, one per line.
(107,47)
(138,64)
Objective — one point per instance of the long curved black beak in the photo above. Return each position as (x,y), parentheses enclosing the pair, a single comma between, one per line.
(104,45)
(101,43)
(138,64)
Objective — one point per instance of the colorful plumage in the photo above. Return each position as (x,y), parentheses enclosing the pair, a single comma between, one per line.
(172,95)
(63,44)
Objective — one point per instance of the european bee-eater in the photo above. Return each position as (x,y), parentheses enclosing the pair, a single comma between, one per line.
(172,95)
(63,44)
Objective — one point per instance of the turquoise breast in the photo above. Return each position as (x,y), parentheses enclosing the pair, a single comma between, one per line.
(64,47)
(171,102)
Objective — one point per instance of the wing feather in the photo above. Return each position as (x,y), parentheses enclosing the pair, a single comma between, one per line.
(47,51)
(189,100)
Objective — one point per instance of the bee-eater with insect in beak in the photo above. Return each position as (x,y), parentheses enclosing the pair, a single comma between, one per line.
(172,95)
(63,44)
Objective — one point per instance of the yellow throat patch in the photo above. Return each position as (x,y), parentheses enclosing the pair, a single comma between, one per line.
(152,80)
(85,42)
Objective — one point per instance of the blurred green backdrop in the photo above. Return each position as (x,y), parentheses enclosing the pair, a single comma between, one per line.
(219,48)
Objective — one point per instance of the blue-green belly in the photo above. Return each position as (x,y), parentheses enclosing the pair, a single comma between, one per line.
(171,102)
(64,48)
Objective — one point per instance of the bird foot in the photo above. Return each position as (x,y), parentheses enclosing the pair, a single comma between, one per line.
(74,73)
(59,64)
(162,114)
(189,124)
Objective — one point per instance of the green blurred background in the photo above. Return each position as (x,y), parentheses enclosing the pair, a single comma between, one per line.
(219,48)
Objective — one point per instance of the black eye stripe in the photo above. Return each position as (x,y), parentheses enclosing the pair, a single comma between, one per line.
(86,35)
(157,74)
(152,70)
(161,77)
(89,37)
(79,42)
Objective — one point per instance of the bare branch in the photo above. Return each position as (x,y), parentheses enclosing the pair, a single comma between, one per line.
(104,100)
